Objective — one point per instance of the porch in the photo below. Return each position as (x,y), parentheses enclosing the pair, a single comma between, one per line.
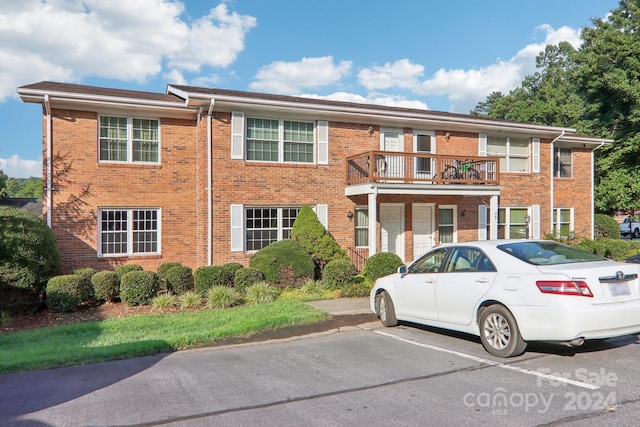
(421,168)
(395,182)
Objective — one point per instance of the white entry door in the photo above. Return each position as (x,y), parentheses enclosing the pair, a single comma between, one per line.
(423,228)
(393,140)
(392,228)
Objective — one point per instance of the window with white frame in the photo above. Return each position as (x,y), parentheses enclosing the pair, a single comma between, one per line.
(124,232)
(265,225)
(562,162)
(446,224)
(129,140)
(514,153)
(512,223)
(562,221)
(279,140)
(361,224)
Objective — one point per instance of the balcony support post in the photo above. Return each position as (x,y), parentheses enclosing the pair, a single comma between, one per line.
(373,221)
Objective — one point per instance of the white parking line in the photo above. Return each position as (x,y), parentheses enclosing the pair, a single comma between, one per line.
(492,363)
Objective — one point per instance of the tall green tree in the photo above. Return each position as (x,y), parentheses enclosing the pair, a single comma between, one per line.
(608,76)
(3,184)
(547,97)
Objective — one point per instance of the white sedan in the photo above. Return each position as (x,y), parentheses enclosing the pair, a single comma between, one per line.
(510,292)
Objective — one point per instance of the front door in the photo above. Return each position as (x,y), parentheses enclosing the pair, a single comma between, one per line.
(392,228)
(423,228)
(393,140)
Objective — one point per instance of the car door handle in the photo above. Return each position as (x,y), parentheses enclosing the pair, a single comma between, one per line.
(482,280)
(429,281)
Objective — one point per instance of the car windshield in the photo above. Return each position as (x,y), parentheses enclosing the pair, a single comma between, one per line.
(548,253)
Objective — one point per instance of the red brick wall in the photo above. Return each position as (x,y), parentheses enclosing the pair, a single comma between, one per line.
(179,186)
(81,186)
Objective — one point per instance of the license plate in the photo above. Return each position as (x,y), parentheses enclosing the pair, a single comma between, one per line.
(618,289)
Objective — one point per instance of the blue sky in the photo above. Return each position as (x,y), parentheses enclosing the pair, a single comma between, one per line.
(440,55)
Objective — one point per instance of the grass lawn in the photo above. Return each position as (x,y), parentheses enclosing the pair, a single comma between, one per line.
(89,342)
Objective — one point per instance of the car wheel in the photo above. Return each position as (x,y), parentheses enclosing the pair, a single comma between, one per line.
(636,233)
(386,312)
(499,332)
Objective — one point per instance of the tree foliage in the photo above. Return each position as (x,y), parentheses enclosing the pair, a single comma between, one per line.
(23,187)
(315,239)
(594,89)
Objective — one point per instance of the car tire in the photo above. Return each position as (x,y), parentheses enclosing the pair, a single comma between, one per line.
(386,312)
(499,332)
(636,233)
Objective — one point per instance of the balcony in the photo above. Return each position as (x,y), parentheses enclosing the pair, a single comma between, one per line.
(421,168)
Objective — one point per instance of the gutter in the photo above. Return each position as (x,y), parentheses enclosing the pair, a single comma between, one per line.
(49,157)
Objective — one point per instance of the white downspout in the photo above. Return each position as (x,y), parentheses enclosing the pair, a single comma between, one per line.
(209,184)
(553,177)
(47,107)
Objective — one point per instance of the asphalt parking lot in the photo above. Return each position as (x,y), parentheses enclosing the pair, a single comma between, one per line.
(352,376)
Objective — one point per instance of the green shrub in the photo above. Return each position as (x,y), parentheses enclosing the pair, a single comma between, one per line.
(106,285)
(4,318)
(65,293)
(315,239)
(231,269)
(221,297)
(339,273)
(179,279)
(261,293)
(616,249)
(314,287)
(246,277)
(190,299)
(162,272)
(124,269)
(139,287)
(285,263)
(164,302)
(29,256)
(209,276)
(381,264)
(356,289)
(606,226)
(86,274)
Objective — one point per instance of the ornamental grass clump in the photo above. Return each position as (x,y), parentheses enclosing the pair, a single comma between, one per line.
(221,297)
(261,293)
(190,300)
(164,302)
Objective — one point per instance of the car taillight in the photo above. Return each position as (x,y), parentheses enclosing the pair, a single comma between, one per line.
(564,287)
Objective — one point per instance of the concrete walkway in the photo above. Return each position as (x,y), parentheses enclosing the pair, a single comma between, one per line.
(343,306)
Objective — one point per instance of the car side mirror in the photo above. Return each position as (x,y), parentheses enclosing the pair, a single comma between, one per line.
(402,270)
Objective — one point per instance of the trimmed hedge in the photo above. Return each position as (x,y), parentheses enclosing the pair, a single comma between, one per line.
(285,263)
(106,285)
(380,265)
(126,268)
(606,227)
(29,256)
(65,293)
(339,273)
(246,277)
(179,279)
(86,274)
(139,287)
(162,272)
(209,276)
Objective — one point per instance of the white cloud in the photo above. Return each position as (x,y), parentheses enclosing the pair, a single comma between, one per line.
(15,167)
(400,74)
(292,77)
(372,98)
(65,40)
(465,88)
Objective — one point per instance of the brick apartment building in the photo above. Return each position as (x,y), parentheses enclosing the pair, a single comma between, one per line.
(209,176)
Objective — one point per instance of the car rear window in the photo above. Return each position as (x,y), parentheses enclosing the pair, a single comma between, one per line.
(548,253)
